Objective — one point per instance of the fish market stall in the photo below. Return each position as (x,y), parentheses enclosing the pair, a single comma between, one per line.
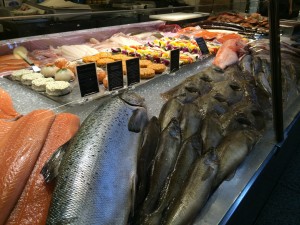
(222,106)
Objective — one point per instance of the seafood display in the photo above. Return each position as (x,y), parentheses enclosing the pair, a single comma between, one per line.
(121,166)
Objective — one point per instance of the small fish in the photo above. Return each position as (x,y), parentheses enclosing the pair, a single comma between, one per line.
(171,109)
(167,152)
(232,151)
(195,191)
(190,151)
(146,155)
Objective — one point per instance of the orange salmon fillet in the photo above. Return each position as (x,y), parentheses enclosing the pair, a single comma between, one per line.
(19,150)
(7,110)
(32,207)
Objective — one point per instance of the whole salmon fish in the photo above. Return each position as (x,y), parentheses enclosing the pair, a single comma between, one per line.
(97,176)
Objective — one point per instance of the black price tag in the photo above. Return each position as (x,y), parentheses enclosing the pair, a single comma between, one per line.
(115,75)
(87,79)
(133,71)
(202,45)
(174,64)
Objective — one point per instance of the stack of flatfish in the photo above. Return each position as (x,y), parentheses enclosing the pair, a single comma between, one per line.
(208,125)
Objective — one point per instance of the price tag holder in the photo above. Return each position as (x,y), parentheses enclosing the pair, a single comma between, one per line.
(87,79)
(202,45)
(174,64)
(133,71)
(115,75)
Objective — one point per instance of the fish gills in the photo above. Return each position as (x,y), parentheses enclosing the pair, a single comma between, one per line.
(146,155)
(171,109)
(32,207)
(232,151)
(97,175)
(189,152)
(7,110)
(19,152)
(167,152)
(195,192)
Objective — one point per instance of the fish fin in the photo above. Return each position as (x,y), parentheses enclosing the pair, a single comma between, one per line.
(243,119)
(218,69)
(138,120)
(235,86)
(220,97)
(230,176)
(133,192)
(206,78)
(51,167)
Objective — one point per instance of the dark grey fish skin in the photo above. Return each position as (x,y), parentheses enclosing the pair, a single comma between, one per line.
(211,75)
(211,132)
(146,155)
(228,91)
(133,98)
(246,64)
(190,120)
(190,151)
(232,151)
(245,115)
(293,73)
(171,109)
(266,69)
(263,84)
(195,192)
(289,85)
(207,104)
(97,176)
(256,65)
(192,86)
(167,152)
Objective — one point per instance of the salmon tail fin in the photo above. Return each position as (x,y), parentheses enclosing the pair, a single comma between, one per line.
(138,120)
(51,168)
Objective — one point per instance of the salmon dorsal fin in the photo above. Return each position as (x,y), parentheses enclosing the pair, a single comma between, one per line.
(51,168)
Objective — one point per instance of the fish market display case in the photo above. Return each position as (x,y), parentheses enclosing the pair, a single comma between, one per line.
(233,196)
